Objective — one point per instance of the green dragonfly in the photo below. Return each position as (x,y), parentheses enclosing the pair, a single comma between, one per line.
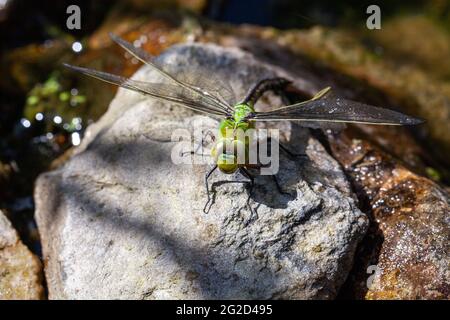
(207,94)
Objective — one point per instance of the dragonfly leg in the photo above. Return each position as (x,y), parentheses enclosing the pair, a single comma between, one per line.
(247,174)
(207,175)
(193,151)
(243,171)
(200,145)
(273,84)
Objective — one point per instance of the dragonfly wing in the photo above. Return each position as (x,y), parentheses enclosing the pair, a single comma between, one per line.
(138,53)
(167,92)
(192,79)
(336,110)
(200,78)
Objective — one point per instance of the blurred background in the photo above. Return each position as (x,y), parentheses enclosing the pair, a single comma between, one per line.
(44,109)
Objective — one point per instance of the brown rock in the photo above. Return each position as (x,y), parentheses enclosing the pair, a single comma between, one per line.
(20,270)
(409,234)
(412,213)
(427,43)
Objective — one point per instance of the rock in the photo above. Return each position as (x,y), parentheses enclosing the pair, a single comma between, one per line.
(427,48)
(20,270)
(407,245)
(415,251)
(120,220)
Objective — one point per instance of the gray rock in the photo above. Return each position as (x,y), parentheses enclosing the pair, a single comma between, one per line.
(20,270)
(121,220)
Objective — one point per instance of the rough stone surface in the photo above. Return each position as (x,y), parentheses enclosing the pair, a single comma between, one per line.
(414,259)
(408,240)
(121,220)
(20,270)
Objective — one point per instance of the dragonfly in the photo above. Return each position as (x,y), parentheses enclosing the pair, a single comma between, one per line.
(210,95)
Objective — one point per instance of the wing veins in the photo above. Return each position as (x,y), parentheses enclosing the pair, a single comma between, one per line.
(138,87)
(336,110)
(146,58)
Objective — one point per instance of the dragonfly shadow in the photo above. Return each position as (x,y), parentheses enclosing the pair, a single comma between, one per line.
(276,191)
(271,193)
(215,185)
(264,191)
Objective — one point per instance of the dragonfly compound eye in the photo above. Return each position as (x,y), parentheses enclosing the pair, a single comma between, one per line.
(227,163)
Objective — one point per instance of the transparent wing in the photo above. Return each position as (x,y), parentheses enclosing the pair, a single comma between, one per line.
(216,91)
(331,109)
(210,83)
(168,92)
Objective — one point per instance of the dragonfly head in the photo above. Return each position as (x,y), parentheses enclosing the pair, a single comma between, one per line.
(241,111)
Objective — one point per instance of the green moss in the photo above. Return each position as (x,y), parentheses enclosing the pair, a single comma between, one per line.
(64,96)
(78,99)
(433,174)
(32,100)
(53,98)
